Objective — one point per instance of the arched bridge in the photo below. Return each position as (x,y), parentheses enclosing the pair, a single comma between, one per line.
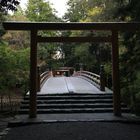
(63,84)
(78,82)
(81,92)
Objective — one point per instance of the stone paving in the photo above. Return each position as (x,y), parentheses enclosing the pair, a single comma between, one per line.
(74,117)
(62,85)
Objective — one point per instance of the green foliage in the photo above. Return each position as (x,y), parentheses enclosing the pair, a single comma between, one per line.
(14,59)
(2,32)
(77,10)
(88,54)
(129,11)
(39,10)
(84,56)
(17,39)
(14,67)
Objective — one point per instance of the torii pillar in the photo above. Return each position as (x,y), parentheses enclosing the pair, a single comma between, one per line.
(33,74)
(116,75)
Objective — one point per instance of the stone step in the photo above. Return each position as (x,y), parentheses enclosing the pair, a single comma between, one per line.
(61,106)
(70,97)
(75,94)
(71,101)
(73,110)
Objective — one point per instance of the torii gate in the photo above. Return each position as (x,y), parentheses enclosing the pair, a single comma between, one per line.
(34,27)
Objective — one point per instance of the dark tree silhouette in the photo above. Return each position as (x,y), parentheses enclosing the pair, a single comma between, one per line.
(6,5)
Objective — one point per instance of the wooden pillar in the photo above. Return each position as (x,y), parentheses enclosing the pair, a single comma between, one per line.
(33,74)
(115,73)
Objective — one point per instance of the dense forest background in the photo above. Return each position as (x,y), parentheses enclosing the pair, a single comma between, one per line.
(15,47)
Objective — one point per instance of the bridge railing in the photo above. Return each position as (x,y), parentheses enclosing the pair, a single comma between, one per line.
(97,80)
(41,78)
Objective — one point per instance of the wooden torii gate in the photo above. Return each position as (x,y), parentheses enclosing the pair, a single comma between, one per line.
(34,27)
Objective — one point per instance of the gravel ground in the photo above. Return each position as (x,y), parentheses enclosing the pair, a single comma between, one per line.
(3,122)
(75,131)
(4,119)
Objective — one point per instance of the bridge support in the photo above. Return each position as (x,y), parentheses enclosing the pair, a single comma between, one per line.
(38,78)
(102,78)
(116,78)
(33,74)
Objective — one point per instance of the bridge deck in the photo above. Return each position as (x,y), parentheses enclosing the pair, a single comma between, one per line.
(62,85)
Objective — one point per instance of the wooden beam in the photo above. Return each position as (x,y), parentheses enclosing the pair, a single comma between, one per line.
(73,39)
(33,74)
(120,26)
(116,77)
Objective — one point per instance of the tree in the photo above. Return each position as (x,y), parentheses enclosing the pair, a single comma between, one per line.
(18,39)
(14,68)
(128,10)
(77,10)
(39,10)
(6,5)
(11,72)
(88,11)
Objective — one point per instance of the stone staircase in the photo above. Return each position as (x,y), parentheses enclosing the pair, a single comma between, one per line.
(72,103)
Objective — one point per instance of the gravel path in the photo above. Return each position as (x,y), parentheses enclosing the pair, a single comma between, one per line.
(75,131)
(3,125)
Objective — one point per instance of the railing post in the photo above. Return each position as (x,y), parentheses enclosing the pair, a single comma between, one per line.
(81,67)
(38,78)
(102,78)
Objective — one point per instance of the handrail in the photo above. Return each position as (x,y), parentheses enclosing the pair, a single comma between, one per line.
(92,76)
(42,78)
(98,80)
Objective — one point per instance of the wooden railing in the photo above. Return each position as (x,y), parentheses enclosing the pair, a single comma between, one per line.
(97,80)
(41,78)
(10,104)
